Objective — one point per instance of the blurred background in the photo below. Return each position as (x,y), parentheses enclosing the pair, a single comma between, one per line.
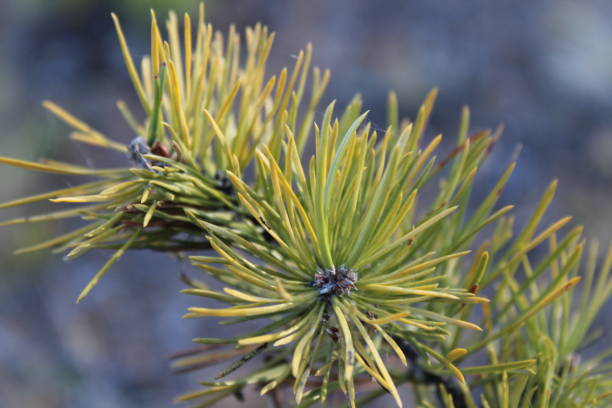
(544,70)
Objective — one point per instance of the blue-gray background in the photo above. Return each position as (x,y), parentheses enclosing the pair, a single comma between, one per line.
(543,68)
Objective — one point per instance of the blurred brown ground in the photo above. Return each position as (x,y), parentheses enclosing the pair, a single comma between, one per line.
(544,69)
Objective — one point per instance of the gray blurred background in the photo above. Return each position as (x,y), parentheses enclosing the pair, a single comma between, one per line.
(543,69)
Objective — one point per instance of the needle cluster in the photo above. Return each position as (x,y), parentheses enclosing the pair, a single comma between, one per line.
(352,279)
